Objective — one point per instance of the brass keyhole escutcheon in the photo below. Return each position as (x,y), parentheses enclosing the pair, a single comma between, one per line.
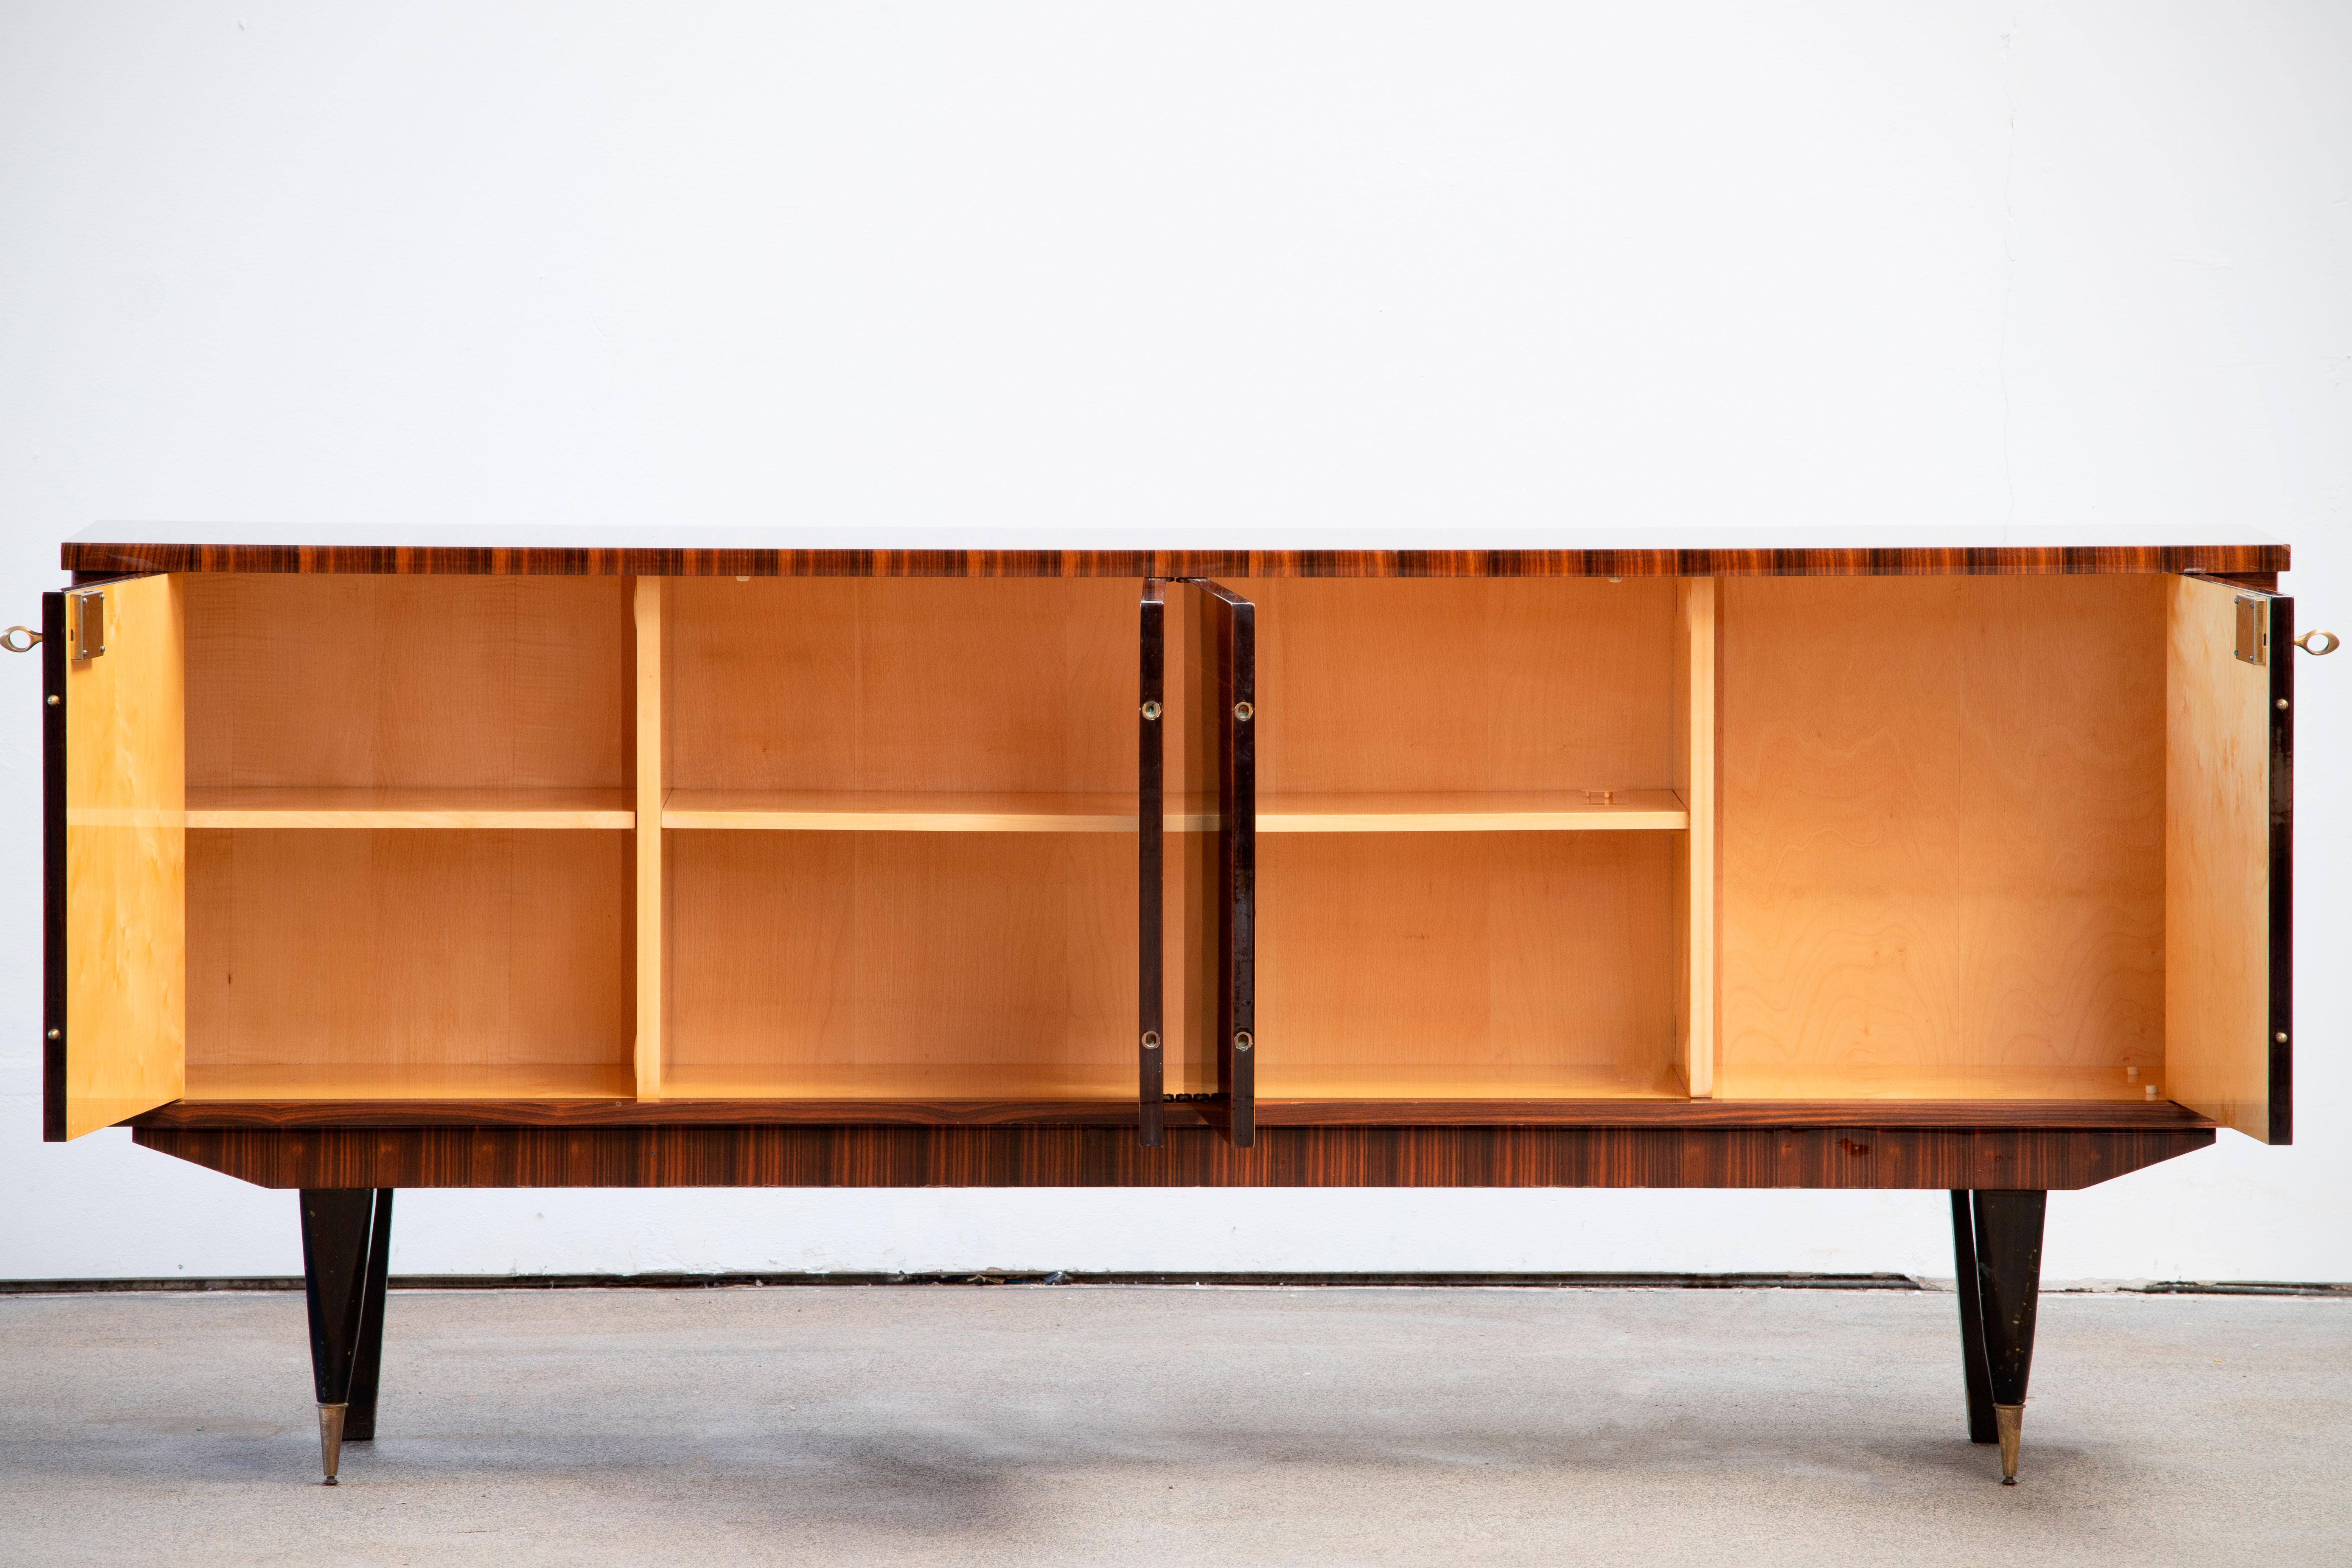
(1242,1040)
(1152,711)
(1150,1039)
(1242,710)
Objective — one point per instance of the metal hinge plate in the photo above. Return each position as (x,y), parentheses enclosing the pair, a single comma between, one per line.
(2254,630)
(86,622)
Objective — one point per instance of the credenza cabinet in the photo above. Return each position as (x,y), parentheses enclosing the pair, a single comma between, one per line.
(371,869)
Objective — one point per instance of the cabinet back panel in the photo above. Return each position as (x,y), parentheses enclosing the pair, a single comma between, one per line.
(1943,838)
(902,965)
(1020,685)
(379,683)
(450,957)
(1466,966)
(1421,684)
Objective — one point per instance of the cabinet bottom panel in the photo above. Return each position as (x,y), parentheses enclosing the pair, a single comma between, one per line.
(1851,1157)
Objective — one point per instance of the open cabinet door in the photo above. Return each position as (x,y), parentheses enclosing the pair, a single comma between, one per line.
(115,854)
(2229,848)
(1219,805)
(1151,1067)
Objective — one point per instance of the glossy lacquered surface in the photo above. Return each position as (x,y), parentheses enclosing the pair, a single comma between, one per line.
(109,558)
(1855,1157)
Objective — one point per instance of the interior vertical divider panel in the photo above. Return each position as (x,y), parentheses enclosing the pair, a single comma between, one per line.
(652,903)
(1812,868)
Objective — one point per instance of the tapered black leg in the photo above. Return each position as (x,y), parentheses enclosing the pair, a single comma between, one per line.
(2009,1287)
(1973,1367)
(339,1226)
(359,1421)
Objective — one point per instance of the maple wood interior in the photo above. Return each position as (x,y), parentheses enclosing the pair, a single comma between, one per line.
(1497,933)
(459,684)
(408,964)
(928,889)
(388,891)
(902,965)
(1943,838)
(896,864)
(1474,686)
(1466,966)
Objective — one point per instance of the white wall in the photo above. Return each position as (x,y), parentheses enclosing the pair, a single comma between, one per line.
(1176,274)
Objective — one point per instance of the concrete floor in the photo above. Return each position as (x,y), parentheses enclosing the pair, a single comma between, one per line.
(1147,1425)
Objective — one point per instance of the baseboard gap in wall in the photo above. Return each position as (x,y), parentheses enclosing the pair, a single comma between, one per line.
(1204,1279)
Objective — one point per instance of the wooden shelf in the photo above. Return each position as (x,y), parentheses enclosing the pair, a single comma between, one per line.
(398,1081)
(1472,812)
(1903,1082)
(425,808)
(898,811)
(1491,1084)
(822,811)
(884,1082)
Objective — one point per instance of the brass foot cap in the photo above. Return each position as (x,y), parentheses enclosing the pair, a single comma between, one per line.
(331,1438)
(2009,1420)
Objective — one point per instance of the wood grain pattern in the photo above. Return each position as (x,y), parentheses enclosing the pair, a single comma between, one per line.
(1472,811)
(1857,1158)
(2216,862)
(1412,687)
(2061,801)
(853,687)
(544,810)
(395,683)
(1942,807)
(612,1112)
(126,1014)
(898,811)
(650,740)
(1484,966)
(471,953)
(845,965)
(109,558)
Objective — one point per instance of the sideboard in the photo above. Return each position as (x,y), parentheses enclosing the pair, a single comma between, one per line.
(1961,870)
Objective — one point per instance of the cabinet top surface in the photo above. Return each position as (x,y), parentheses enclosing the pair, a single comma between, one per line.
(136,547)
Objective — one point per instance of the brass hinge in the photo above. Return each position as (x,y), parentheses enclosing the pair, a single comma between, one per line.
(86,622)
(2254,630)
